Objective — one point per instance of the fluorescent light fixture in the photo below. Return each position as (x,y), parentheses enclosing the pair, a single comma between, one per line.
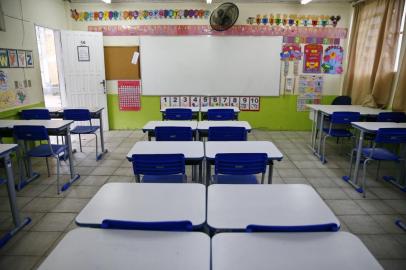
(208,1)
(107,1)
(304,2)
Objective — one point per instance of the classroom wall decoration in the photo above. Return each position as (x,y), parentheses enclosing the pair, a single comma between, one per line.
(236,30)
(291,52)
(310,91)
(12,58)
(21,58)
(129,95)
(333,60)
(243,103)
(29,59)
(3,80)
(312,58)
(294,20)
(3,58)
(115,15)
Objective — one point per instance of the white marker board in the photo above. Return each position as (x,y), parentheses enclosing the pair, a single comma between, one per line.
(210,65)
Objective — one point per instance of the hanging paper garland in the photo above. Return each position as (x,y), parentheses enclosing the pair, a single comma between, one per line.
(333,60)
(295,20)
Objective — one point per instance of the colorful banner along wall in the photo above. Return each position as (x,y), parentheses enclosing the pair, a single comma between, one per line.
(237,30)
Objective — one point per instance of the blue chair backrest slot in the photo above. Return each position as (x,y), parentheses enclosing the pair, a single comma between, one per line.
(391,135)
(173,134)
(76,114)
(227,134)
(240,163)
(30,133)
(178,114)
(35,114)
(220,114)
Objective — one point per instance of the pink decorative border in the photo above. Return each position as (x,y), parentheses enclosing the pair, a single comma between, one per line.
(237,30)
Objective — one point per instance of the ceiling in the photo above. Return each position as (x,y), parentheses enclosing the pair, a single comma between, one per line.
(214,1)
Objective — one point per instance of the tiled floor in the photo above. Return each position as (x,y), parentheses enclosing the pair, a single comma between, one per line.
(372,219)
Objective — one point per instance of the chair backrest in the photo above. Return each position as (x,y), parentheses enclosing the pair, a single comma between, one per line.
(35,114)
(76,114)
(398,117)
(345,117)
(173,134)
(30,133)
(240,163)
(159,164)
(227,134)
(178,114)
(391,135)
(341,100)
(220,114)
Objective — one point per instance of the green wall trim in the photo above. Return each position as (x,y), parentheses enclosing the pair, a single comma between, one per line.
(276,113)
(13,113)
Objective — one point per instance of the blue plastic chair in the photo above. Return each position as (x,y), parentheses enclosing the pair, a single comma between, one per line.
(35,114)
(40,133)
(398,117)
(343,119)
(82,115)
(159,168)
(173,134)
(220,114)
(227,134)
(178,114)
(341,100)
(239,168)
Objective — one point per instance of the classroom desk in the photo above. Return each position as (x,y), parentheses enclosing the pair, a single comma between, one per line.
(192,150)
(234,207)
(151,125)
(5,151)
(54,127)
(195,112)
(85,248)
(147,203)
(203,111)
(217,147)
(372,128)
(321,111)
(203,126)
(291,251)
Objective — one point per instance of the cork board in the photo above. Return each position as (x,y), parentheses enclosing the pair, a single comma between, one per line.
(117,62)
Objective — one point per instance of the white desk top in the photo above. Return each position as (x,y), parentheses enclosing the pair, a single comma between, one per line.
(237,206)
(205,125)
(205,109)
(291,251)
(374,126)
(191,149)
(48,124)
(4,148)
(194,109)
(85,249)
(329,109)
(146,203)
(151,125)
(215,147)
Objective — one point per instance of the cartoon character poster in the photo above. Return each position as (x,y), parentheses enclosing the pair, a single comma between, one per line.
(333,60)
(291,52)
(12,58)
(22,61)
(3,58)
(3,80)
(312,58)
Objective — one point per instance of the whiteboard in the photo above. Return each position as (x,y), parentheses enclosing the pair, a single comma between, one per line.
(210,65)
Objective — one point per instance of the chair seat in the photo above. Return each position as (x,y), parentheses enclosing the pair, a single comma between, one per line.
(84,129)
(380,154)
(338,132)
(174,178)
(235,179)
(44,150)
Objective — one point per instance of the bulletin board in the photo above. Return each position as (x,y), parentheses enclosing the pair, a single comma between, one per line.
(117,61)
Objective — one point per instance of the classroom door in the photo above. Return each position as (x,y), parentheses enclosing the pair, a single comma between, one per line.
(83,70)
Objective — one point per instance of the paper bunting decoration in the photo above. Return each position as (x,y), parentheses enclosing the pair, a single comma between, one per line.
(295,20)
(333,60)
(291,52)
(139,14)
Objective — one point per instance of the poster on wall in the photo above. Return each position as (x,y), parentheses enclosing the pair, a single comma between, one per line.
(224,101)
(29,59)
(195,102)
(312,58)
(12,58)
(165,102)
(21,58)
(235,102)
(3,58)
(83,53)
(291,52)
(185,101)
(333,60)
(175,101)
(3,80)
(254,103)
(129,95)
(310,91)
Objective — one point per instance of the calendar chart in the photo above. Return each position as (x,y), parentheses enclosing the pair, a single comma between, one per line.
(129,95)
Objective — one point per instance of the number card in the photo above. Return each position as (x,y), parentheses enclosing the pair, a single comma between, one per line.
(195,102)
(224,101)
(185,101)
(165,103)
(254,103)
(204,101)
(175,101)
(129,95)
(214,101)
(244,103)
(235,102)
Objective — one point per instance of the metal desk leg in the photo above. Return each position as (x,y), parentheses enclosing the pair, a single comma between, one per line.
(13,204)
(31,175)
(314,131)
(354,181)
(103,151)
(201,171)
(270,172)
(73,175)
(321,126)
(149,135)
(208,172)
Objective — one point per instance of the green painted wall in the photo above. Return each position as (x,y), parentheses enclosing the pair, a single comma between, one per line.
(13,113)
(276,113)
